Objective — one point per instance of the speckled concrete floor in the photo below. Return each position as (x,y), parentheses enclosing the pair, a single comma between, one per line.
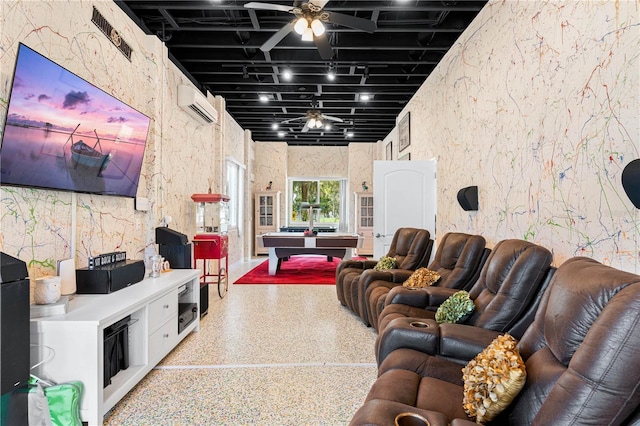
(265,355)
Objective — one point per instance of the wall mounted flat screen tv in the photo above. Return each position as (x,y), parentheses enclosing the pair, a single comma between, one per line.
(62,132)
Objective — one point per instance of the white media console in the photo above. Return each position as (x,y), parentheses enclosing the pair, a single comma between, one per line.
(73,344)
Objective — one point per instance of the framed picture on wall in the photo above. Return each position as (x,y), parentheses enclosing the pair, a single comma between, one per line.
(405,157)
(389,155)
(404,133)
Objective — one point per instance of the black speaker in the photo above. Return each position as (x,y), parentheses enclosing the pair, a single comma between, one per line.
(468,198)
(109,278)
(15,350)
(15,334)
(631,182)
(204,299)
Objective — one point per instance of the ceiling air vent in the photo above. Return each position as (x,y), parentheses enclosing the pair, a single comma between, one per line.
(111,33)
(196,105)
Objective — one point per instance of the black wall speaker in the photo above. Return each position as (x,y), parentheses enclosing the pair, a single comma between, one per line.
(468,198)
(631,182)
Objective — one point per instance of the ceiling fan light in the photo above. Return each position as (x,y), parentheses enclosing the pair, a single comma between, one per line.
(301,26)
(311,123)
(318,27)
(318,124)
(308,35)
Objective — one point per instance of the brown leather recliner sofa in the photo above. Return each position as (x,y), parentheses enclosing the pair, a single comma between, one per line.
(458,260)
(506,296)
(580,353)
(411,247)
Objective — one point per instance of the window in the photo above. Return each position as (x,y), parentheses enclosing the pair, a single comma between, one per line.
(234,189)
(329,193)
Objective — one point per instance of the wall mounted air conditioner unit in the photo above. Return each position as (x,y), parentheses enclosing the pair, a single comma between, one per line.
(196,105)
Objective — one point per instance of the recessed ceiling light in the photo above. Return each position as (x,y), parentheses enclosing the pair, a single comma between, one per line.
(364,97)
(274,126)
(287,74)
(350,134)
(281,134)
(264,98)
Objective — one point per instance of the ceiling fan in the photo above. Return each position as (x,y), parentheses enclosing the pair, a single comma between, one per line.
(309,22)
(314,120)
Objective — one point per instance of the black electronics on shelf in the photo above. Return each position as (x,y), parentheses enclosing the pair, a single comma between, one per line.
(108,278)
(15,352)
(174,247)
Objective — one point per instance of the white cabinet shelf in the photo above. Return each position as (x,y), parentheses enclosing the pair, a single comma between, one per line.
(77,338)
(364,221)
(266,217)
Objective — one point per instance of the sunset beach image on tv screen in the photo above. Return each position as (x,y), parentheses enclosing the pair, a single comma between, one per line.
(64,133)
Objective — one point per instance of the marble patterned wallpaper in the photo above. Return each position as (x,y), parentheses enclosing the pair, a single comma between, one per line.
(317,161)
(37,225)
(234,147)
(361,157)
(538,104)
(270,165)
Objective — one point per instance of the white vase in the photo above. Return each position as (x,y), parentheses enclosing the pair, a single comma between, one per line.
(48,290)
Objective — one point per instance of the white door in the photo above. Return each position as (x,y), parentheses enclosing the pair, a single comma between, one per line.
(404,194)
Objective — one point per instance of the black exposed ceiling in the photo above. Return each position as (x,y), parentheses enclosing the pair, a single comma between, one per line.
(217,43)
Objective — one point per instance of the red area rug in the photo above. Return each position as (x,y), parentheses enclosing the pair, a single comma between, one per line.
(304,269)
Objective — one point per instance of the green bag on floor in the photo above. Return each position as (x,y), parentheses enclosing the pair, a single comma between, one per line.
(64,403)
(63,400)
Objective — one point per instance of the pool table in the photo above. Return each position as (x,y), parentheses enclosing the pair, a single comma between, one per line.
(281,245)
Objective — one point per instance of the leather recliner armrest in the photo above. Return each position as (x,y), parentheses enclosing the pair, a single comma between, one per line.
(410,296)
(410,333)
(368,264)
(391,275)
(380,412)
(463,342)
(368,279)
(355,264)
(437,295)
(425,298)
(400,275)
